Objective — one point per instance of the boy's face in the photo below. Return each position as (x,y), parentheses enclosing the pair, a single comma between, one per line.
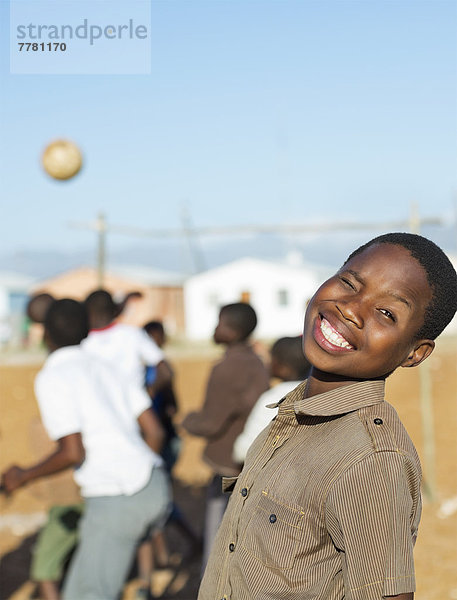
(224,332)
(158,337)
(362,322)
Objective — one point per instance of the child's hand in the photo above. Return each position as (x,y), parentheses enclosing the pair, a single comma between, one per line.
(13,478)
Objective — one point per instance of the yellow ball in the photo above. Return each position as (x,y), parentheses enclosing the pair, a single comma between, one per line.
(62,159)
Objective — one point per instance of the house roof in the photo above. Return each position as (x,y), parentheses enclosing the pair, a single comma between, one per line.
(77,283)
(147,275)
(250,263)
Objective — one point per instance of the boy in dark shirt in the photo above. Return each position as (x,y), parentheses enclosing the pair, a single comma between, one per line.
(328,503)
(234,385)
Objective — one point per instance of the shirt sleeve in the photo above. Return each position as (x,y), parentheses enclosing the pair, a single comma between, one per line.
(222,404)
(150,353)
(372,515)
(138,399)
(58,406)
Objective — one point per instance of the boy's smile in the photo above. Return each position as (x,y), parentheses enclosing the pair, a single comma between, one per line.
(362,323)
(328,337)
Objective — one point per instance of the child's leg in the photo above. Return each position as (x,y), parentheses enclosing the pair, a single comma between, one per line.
(55,542)
(178,519)
(48,590)
(216,503)
(160,548)
(109,533)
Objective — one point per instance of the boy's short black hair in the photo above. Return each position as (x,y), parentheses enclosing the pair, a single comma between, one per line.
(101,304)
(241,317)
(66,323)
(289,351)
(154,326)
(441,277)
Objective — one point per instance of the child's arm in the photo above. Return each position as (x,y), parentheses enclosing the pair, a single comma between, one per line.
(221,404)
(164,375)
(372,513)
(152,430)
(70,452)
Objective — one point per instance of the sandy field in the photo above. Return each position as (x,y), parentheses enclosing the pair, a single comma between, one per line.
(425,397)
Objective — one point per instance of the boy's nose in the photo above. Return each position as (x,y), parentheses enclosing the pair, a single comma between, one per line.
(350,312)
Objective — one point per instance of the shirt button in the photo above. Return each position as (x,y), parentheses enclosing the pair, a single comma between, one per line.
(378,421)
(272,518)
(231,547)
(244,492)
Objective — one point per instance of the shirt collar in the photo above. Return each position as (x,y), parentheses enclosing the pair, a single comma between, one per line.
(339,401)
(109,326)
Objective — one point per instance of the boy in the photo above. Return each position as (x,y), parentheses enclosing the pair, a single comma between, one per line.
(153,550)
(37,306)
(289,366)
(96,417)
(127,347)
(58,538)
(328,503)
(234,385)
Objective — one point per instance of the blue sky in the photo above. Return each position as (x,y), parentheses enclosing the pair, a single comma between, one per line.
(255,112)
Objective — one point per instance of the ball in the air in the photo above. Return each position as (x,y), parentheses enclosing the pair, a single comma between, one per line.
(62,159)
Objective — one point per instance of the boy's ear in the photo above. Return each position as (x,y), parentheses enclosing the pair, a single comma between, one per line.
(421,350)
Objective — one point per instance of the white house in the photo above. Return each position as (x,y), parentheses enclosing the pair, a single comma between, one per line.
(278,291)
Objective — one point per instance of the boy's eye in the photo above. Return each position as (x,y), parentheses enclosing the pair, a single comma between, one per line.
(388,314)
(347,282)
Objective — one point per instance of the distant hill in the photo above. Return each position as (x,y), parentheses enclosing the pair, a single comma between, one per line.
(183,257)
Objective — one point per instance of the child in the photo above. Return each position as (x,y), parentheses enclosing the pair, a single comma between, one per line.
(96,418)
(37,307)
(234,385)
(328,503)
(153,550)
(163,399)
(289,366)
(58,538)
(127,347)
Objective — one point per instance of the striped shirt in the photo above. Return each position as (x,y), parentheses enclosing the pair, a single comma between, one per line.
(327,505)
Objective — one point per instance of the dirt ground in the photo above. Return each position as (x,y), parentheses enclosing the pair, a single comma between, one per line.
(426,399)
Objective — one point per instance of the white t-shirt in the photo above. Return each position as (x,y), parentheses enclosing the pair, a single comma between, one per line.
(78,393)
(259,417)
(129,348)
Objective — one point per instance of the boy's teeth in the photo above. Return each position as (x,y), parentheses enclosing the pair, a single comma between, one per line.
(333,336)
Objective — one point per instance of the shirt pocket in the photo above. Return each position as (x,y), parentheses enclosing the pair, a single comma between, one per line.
(273,533)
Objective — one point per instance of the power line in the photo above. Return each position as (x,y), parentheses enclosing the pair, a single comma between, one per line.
(191,233)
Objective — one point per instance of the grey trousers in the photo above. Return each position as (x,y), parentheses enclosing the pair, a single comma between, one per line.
(109,532)
(216,503)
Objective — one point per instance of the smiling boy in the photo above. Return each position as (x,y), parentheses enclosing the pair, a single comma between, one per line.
(328,503)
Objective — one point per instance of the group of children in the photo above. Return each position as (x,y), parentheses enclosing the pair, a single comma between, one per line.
(325,481)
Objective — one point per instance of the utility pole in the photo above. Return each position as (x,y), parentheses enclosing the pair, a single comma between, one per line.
(426,398)
(100,227)
(190,233)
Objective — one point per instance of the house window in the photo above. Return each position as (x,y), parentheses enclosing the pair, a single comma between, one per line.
(283,297)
